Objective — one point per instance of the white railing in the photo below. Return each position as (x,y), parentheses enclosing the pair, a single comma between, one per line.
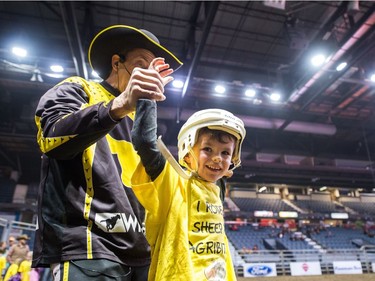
(283,258)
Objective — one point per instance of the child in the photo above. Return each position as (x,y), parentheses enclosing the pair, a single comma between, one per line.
(184,212)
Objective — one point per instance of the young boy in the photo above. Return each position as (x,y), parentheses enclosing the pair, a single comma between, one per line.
(184,212)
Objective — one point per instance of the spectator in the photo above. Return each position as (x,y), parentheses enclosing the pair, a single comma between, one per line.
(18,252)
(233,227)
(245,250)
(3,247)
(11,241)
(25,267)
(3,260)
(4,264)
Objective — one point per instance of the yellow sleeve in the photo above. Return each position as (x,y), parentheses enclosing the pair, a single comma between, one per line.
(12,270)
(3,263)
(24,269)
(155,197)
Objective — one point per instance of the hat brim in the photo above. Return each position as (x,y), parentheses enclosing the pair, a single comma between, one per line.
(23,237)
(115,39)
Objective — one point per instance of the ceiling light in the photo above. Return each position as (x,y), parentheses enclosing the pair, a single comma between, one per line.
(55,75)
(178,84)
(220,89)
(250,93)
(275,96)
(57,68)
(341,66)
(318,60)
(323,188)
(372,77)
(20,52)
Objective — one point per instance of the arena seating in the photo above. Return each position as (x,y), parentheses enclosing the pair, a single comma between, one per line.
(260,204)
(316,206)
(365,208)
(342,238)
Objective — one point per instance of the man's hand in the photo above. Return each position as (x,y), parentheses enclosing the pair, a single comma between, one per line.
(143,84)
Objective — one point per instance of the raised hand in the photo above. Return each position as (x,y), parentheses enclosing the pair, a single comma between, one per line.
(143,84)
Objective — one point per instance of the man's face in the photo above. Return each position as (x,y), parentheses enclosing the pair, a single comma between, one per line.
(11,241)
(22,241)
(135,58)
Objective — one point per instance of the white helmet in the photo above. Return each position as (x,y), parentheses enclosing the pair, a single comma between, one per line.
(215,119)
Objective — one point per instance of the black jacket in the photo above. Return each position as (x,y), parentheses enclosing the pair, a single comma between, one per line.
(86,209)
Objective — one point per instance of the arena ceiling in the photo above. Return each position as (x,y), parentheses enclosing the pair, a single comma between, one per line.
(321,132)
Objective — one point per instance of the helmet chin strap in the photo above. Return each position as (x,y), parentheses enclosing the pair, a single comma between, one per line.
(169,157)
(195,161)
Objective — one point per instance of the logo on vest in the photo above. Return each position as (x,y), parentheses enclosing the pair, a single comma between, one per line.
(112,222)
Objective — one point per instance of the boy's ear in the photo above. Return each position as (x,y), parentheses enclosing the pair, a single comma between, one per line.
(187,159)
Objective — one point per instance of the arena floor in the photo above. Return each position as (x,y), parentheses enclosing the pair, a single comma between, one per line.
(354,277)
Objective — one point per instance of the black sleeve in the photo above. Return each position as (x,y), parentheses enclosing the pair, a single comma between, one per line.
(63,113)
(144,138)
(222,184)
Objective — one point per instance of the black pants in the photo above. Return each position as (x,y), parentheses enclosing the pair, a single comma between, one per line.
(99,270)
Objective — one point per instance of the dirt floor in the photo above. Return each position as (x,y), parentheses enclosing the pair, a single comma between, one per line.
(353,277)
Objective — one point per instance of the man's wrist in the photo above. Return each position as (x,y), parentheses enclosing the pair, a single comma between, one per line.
(118,109)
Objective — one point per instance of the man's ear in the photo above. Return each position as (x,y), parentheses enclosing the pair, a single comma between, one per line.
(115,61)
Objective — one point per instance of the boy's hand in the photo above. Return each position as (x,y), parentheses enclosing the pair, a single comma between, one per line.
(163,69)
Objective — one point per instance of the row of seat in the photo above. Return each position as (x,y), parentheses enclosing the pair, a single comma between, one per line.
(276,205)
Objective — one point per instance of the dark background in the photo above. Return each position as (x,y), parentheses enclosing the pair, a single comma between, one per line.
(321,133)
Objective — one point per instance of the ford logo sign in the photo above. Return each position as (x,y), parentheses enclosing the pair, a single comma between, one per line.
(259,270)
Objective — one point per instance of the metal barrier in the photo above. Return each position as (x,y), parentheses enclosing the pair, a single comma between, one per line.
(3,229)
(283,258)
(16,228)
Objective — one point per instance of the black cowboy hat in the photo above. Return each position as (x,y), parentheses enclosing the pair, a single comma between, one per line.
(115,39)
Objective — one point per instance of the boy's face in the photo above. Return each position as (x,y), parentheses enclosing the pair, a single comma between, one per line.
(214,157)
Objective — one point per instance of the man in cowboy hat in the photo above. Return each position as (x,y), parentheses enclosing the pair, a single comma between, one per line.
(90,225)
(18,252)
